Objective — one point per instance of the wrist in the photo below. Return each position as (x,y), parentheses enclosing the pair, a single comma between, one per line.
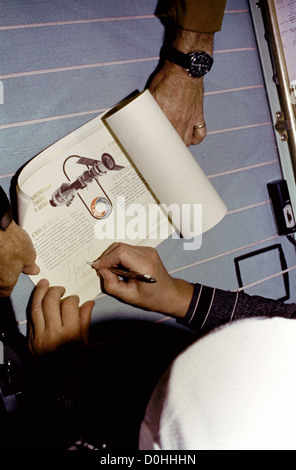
(179,298)
(192,52)
(178,76)
(190,41)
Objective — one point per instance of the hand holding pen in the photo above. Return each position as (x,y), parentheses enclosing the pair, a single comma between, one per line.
(125,274)
(136,275)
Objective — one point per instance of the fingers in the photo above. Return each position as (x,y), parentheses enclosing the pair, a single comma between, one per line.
(126,291)
(143,260)
(111,283)
(76,321)
(31,269)
(120,254)
(190,134)
(9,275)
(45,310)
(181,99)
(108,257)
(37,317)
(199,133)
(54,322)
(69,314)
(17,255)
(85,318)
(26,252)
(190,126)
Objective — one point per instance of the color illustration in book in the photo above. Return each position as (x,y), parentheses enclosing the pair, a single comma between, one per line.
(125,176)
(94,198)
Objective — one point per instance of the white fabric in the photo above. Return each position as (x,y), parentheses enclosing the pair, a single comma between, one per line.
(233,389)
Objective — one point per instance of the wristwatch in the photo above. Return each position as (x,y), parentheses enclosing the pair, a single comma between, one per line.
(197,64)
(5,210)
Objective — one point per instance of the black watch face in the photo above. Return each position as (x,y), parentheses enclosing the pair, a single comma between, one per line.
(200,64)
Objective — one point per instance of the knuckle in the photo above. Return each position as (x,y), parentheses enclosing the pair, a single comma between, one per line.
(121,247)
(49,303)
(75,335)
(35,310)
(7,284)
(153,253)
(71,302)
(38,344)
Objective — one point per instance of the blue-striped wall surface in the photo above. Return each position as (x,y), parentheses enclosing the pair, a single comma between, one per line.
(63,62)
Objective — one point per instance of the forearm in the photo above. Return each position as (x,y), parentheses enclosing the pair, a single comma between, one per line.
(200,307)
(211,308)
(188,41)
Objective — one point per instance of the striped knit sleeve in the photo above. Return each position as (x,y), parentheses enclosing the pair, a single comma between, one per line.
(210,308)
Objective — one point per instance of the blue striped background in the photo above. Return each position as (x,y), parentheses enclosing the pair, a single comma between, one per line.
(62,62)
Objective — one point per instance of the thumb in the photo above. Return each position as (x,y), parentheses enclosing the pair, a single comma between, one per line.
(126,291)
(31,269)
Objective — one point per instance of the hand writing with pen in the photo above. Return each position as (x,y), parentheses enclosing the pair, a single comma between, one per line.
(168,295)
(54,322)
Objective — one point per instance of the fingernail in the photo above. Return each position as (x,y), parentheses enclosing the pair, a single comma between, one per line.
(42,282)
(36,269)
(73,296)
(93,264)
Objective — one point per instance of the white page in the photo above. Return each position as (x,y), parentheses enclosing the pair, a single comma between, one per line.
(67,236)
(164,160)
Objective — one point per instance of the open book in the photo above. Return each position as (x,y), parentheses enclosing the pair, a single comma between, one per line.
(121,177)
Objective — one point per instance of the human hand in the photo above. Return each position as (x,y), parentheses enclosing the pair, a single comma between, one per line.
(181,96)
(17,255)
(168,295)
(181,99)
(54,322)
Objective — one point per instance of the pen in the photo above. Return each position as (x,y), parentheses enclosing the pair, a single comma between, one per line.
(129,274)
(133,275)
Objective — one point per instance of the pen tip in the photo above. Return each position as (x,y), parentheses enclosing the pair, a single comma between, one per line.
(150,278)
